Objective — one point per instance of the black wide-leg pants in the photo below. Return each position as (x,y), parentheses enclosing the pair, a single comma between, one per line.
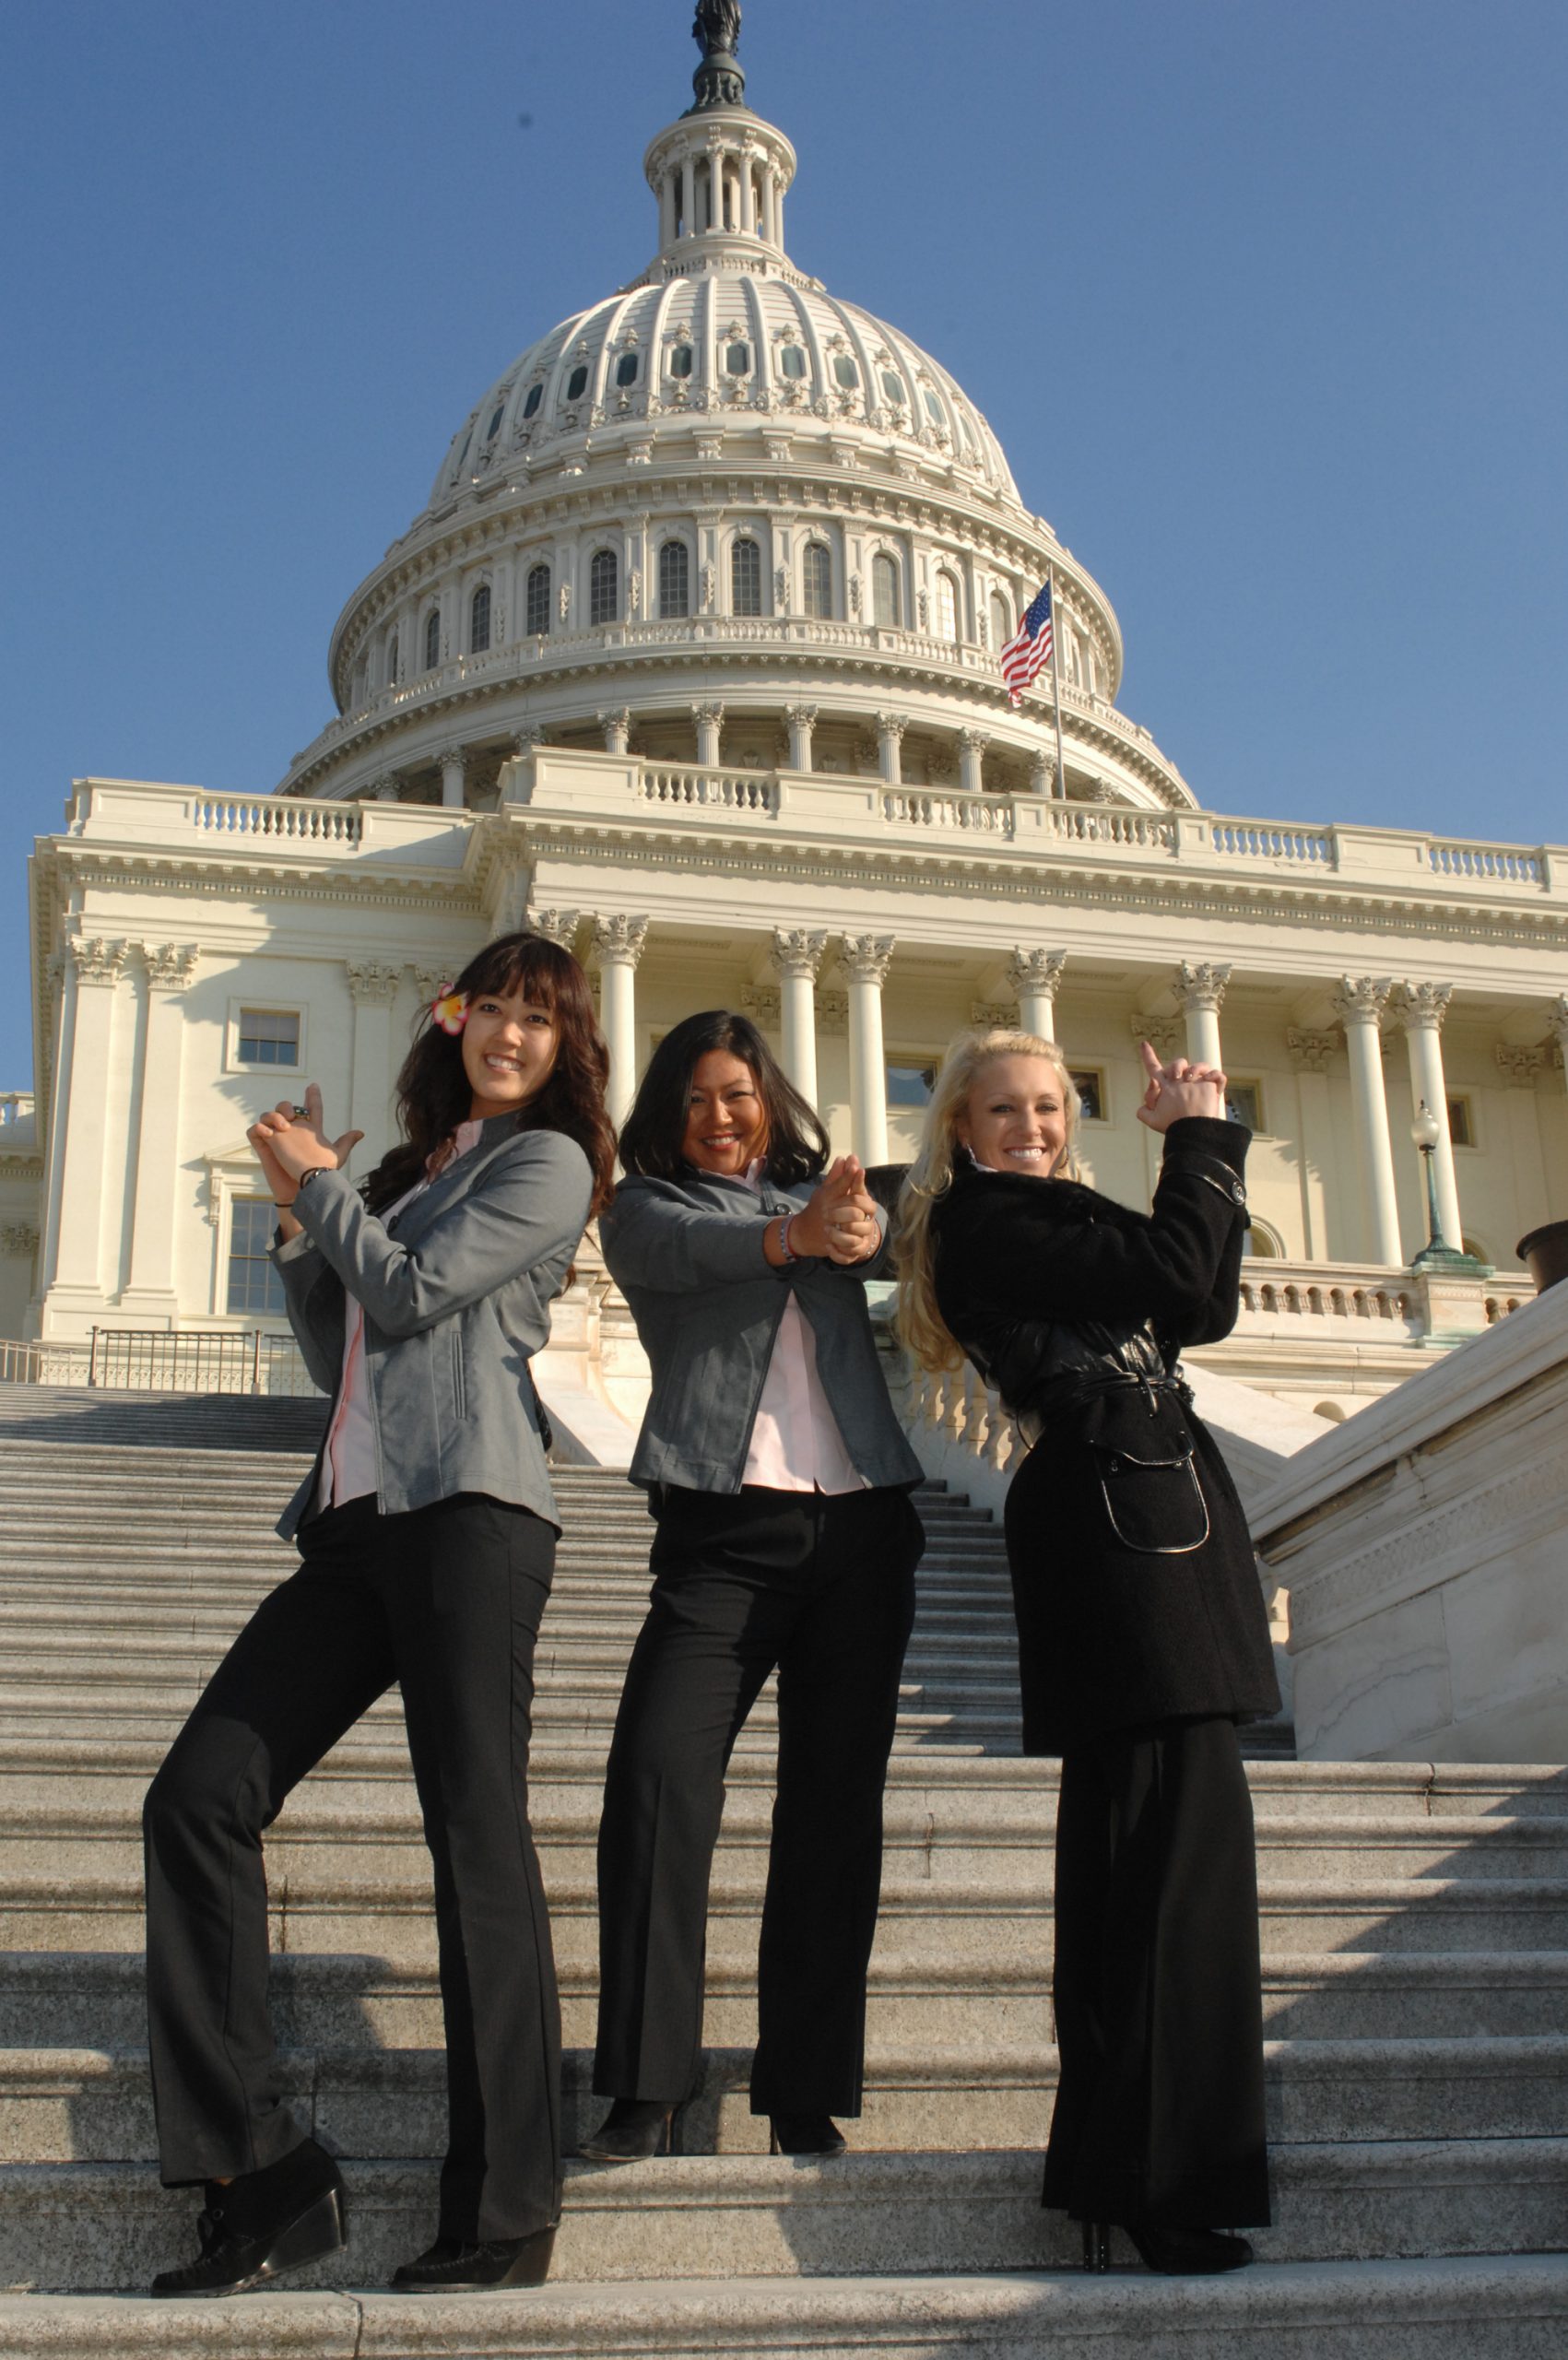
(1159,2108)
(823,1587)
(446,1601)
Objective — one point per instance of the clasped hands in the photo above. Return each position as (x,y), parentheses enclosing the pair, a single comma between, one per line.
(1177,1090)
(838,1223)
(291,1140)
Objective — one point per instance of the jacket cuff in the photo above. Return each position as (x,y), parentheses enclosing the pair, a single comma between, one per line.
(292,1249)
(1223,1141)
(310,1203)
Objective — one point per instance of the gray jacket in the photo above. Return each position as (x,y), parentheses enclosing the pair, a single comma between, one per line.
(688,1255)
(456,1295)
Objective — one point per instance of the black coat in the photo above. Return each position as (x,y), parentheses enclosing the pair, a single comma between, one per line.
(1042,1281)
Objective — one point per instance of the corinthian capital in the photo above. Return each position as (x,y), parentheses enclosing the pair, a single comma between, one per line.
(866,956)
(1557,1021)
(1421,1008)
(618,940)
(1200,987)
(372,982)
(558,926)
(1360,999)
(1035,972)
(1310,1052)
(95,960)
(797,951)
(170,965)
(892,724)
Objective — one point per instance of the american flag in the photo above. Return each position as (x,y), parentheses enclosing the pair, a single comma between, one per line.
(1029,650)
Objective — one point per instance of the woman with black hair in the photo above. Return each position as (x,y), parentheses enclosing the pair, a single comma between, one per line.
(427,1530)
(779,1479)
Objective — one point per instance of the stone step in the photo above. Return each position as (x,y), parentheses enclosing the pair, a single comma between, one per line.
(1492,2308)
(95,2106)
(110,2226)
(324,1999)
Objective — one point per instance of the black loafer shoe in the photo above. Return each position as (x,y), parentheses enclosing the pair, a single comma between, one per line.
(449,2268)
(805,2134)
(1188,2253)
(239,2253)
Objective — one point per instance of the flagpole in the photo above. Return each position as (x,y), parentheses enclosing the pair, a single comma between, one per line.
(1057,685)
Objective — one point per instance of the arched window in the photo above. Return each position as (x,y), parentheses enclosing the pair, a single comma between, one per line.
(1262,1243)
(432,638)
(791,361)
(626,369)
(846,372)
(817,569)
(885,590)
(947,606)
(479,620)
(604,588)
(493,429)
(535,396)
(1002,625)
(392,661)
(745,578)
(934,410)
(680,360)
(577,383)
(737,359)
(537,601)
(675,579)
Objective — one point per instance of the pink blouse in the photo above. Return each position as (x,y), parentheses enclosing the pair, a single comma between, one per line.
(795,1442)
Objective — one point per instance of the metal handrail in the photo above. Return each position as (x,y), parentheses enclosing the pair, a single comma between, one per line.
(143,1359)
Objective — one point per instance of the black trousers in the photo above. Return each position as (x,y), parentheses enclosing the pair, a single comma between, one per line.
(1160,2110)
(823,1588)
(446,1603)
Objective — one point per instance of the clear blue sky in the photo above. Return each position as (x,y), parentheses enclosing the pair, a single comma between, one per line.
(1266,302)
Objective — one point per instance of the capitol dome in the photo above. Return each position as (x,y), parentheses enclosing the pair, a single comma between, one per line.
(705,506)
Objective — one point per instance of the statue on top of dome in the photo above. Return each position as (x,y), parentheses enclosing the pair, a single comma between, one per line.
(717,27)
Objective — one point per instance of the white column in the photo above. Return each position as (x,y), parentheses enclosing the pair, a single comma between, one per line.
(453,762)
(616,723)
(710,722)
(170,970)
(794,958)
(748,197)
(1200,993)
(618,946)
(802,720)
(1557,1021)
(865,959)
(372,985)
(1042,773)
(1309,1053)
(1421,1008)
(1359,1004)
(1034,976)
(95,971)
(971,760)
(889,745)
(667,207)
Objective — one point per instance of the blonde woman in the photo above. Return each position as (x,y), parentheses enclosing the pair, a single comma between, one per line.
(1142,1636)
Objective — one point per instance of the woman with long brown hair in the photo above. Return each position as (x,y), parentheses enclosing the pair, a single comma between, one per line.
(427,1530)
(1142,1636)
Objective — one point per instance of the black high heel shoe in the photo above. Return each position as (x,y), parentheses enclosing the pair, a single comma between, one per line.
(1097,2246)
(634,2131)
(255,2228)
(1187,2253)
(805,2134)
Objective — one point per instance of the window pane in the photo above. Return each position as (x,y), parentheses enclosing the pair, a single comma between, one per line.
(269,1036)
(746,578)
(674,575)
(1092,1094)
(737,359)
(1001,622)
(626,369)
(1244,1104)
(576,383)
(432,640)
(819,581)
(791,361)
(253,1285)
(479,621)
(1459,1129)
(947,606)
(681,361)
(892,386)
(909,1084)
(603,588)
(846,371)
(531,406)
(392,658)
(493,429)
(884,591)
(538,616)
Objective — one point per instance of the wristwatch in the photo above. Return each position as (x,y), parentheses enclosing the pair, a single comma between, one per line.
(306,1177)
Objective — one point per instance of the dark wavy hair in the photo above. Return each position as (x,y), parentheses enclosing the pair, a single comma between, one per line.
(434,1092)
(653,1136)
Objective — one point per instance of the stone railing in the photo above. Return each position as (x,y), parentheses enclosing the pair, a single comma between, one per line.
(270,816)
(16,1107)
(751,791)
(1365,1302)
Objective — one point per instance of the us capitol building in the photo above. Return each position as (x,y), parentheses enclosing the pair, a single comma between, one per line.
(691,659)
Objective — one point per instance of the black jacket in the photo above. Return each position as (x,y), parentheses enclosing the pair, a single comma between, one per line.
(1134,1578)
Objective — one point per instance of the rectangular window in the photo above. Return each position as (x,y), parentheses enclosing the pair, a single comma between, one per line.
(1244,1104)
(1090,1084)
(255,1287)
(268,1036)
(1461,1129)
(910,1082)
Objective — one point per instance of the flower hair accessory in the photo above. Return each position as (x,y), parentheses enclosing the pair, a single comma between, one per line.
(450,1008)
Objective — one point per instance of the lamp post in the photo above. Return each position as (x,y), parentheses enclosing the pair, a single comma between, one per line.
(1437,1254)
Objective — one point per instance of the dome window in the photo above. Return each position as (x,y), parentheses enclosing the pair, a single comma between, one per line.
(675,581)
(626,369)
(817,581)
(493,429)
(934,410)
(791,361)
(846,371)
(680,360)
(392,661)
(745,578)
(537,601)
(892,386)
(604,588)
(738,359)
(885,591)
(577,383)
(432,638)
(1001,620)
(479,620)
(467,443)
(535,396)
(947,606)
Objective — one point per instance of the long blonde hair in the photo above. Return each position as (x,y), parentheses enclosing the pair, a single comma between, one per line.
(921,1327)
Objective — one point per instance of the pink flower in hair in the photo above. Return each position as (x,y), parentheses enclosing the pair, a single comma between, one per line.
(450,1008)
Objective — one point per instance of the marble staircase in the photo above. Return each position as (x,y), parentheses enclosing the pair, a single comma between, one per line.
(1415,1926)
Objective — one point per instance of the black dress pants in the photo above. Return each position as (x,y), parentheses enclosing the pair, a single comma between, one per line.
(1160,2110)
(823,1587)
(446,1601)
